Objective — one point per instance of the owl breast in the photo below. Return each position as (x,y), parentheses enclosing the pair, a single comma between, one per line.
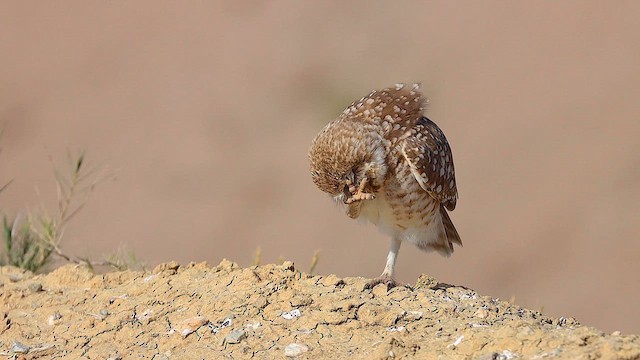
(403,209)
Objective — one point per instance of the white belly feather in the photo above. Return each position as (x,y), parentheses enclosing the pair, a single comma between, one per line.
(420,226)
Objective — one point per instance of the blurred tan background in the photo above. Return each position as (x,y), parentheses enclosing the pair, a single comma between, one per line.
(205,112)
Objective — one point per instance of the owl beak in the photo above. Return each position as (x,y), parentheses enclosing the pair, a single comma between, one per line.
(346,194)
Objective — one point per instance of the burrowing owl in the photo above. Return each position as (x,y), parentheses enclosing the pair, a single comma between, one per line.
(389,164)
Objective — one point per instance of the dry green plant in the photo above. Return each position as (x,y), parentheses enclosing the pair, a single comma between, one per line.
(31,240)
(314,261)
(21,246)
(124,259)
(2,187)
(73,192)
(257,257)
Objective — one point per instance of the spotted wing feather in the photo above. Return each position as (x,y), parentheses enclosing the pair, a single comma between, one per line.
(429,157)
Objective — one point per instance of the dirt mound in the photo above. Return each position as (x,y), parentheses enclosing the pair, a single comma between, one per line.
(274,311)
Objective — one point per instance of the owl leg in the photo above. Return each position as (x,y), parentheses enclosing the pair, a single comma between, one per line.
(358,193)
(387,275)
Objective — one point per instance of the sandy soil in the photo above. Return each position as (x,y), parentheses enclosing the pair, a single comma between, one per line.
(274,311)
(205,112)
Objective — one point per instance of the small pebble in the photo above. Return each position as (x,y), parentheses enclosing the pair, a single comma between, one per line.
(504,355)
(228,321)
(396,328)
(288,265)
(35,287)
(414,315)
(189,326)
(15,278)
(426,282)
(225,323)
(235,336)
(291,314)
(20,348)
(295,349)
(481,313)
(113,299)
(53,319)
(148,313)
(170,267)
(150,277)
(457,342)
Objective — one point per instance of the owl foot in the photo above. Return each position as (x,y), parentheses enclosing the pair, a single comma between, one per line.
(358,194)
(386,280)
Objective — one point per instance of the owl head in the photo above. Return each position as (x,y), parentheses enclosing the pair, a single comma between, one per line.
(332,161)
(344,150)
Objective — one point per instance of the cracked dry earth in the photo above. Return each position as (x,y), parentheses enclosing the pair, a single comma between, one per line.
(271,312)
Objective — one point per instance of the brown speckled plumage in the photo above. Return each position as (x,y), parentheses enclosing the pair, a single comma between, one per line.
(391,165)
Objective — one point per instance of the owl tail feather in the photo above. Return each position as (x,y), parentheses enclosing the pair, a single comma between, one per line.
(450,230)
(445,235)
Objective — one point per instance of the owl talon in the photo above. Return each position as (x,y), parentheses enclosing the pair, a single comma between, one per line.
(358,194)
(352,189)
(359,197)
(385,280)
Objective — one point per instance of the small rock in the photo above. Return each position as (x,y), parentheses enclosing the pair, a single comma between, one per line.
(457,342)
(119,297)
(426,282)
(35,287)
(564,321)
(235,336)
(291,314)
(189,326)
(226,266)
(150,277)
(396,328)
(221,325)
(147,314)
(331,280)
(481,314)
(503,355)
(413,315)
(468,295)
(102,314)
(19,348)
(288,265)
(171,267)
(53,319)
(295,349)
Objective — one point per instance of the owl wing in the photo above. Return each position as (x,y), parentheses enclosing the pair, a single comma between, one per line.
(429,157)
